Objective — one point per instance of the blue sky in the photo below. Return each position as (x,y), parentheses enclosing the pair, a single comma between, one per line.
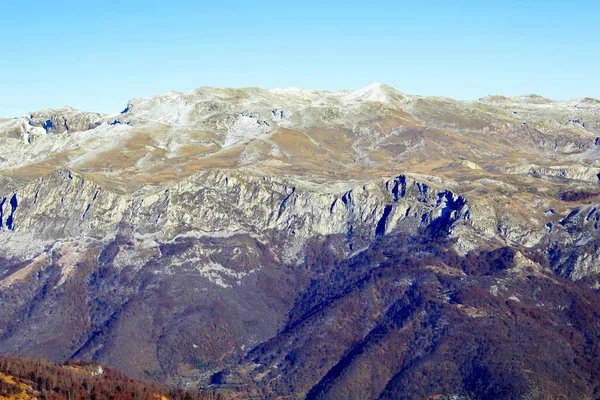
(97,55)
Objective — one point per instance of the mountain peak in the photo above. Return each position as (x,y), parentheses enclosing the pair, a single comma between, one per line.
(377,92)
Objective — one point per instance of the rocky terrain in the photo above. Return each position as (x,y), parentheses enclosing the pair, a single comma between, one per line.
(294,243)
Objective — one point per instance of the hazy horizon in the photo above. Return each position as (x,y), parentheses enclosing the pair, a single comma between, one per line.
(97,57)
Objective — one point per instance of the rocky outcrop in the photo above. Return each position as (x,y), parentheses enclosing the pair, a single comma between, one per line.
(579,173)
(64,120)
(65,205)
(572,245)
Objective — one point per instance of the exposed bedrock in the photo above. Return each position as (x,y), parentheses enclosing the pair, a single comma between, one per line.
(285,212)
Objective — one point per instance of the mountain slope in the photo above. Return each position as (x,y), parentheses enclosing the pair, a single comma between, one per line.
(407,318)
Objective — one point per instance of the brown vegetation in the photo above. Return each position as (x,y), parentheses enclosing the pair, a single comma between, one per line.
(571,195)
(408,318)
(22,378)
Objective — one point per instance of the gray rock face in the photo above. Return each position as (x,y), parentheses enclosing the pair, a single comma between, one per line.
(223,202)
(63,120)
(572,243)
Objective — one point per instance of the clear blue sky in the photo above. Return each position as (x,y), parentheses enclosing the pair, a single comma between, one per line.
(96,55)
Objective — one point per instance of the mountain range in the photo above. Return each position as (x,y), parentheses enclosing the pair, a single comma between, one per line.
(292,243)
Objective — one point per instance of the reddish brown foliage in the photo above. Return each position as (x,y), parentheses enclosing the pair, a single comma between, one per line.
(53,381)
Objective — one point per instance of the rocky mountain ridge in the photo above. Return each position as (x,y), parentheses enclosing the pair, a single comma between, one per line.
(325,139)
